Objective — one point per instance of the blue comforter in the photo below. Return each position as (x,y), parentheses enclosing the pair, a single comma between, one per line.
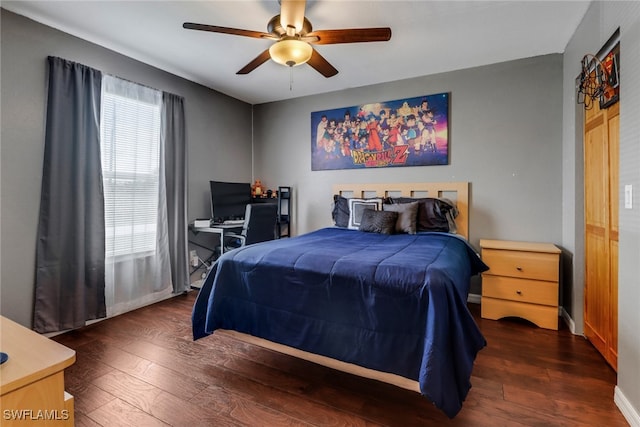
(393,303)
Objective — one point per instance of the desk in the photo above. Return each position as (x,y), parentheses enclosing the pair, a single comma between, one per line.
(32,380)
(218,229)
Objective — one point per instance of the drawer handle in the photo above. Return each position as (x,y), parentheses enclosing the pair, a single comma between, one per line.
(519,268)
(519,292)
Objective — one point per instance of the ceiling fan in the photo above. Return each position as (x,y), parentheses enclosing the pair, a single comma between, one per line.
(293,36)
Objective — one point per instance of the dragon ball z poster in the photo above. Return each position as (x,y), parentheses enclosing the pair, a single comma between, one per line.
(404,132)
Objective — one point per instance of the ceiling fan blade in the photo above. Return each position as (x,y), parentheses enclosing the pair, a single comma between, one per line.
(354,35)
(292,14)
(226,30)
(258,61)
(321,65)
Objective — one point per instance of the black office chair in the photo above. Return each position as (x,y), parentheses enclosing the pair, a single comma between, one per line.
(259,226)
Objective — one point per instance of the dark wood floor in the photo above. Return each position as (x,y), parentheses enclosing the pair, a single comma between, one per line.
(143,369)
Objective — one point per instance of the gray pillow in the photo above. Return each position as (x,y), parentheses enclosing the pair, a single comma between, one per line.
(407,215)
(434,214)
(340,212)
(383,222)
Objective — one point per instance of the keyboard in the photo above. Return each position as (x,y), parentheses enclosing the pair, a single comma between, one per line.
(233,222)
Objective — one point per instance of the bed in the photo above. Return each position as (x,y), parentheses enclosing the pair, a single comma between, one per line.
(386,306)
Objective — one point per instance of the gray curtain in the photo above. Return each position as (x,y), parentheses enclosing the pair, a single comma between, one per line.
(71,244)
(175,164)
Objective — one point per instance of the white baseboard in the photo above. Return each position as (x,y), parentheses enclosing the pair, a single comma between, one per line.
(568,320)
(474,298)
(110,316)
(628,411)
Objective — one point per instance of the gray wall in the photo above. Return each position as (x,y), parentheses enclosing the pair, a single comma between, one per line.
(213,120)
(505,136)
(600,22)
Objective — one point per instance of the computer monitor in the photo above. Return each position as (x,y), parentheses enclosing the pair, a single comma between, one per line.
(229,199)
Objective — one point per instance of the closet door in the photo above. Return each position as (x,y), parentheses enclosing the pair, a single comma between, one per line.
(613,126)
(601,230)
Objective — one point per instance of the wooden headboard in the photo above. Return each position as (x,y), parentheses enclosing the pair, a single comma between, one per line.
(458,192)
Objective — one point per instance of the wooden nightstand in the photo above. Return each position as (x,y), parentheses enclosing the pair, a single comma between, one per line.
(522,281)
(32,379)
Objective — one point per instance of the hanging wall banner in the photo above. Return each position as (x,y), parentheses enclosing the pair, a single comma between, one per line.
(405,132)
(609,55)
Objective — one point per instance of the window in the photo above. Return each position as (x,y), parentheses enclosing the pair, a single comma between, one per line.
(130,151)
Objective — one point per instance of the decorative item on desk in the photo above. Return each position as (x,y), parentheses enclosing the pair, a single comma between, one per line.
(202,223)
(256,189)
(269,193)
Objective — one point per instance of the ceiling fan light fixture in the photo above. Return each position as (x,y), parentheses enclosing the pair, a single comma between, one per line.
(290,52)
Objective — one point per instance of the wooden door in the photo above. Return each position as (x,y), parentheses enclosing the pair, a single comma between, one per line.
(613,126)
(601,182)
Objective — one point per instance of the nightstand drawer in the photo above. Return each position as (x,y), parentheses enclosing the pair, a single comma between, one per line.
(542,315)
(526,265)
(523,290)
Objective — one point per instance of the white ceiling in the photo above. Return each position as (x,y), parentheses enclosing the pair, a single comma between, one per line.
(427,37)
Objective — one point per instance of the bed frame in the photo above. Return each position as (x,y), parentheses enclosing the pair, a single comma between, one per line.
(458,192)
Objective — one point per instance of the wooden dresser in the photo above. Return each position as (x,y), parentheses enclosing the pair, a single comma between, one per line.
(32,379)
(522,281)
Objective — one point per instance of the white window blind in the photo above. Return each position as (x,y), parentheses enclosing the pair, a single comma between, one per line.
(130,144)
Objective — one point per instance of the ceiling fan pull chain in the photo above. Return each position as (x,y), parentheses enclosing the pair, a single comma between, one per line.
(290,79)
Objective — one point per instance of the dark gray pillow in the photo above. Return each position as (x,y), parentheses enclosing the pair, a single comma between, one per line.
(433,213)
(373,221)
(437,215)
(340,213)
(407,214)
